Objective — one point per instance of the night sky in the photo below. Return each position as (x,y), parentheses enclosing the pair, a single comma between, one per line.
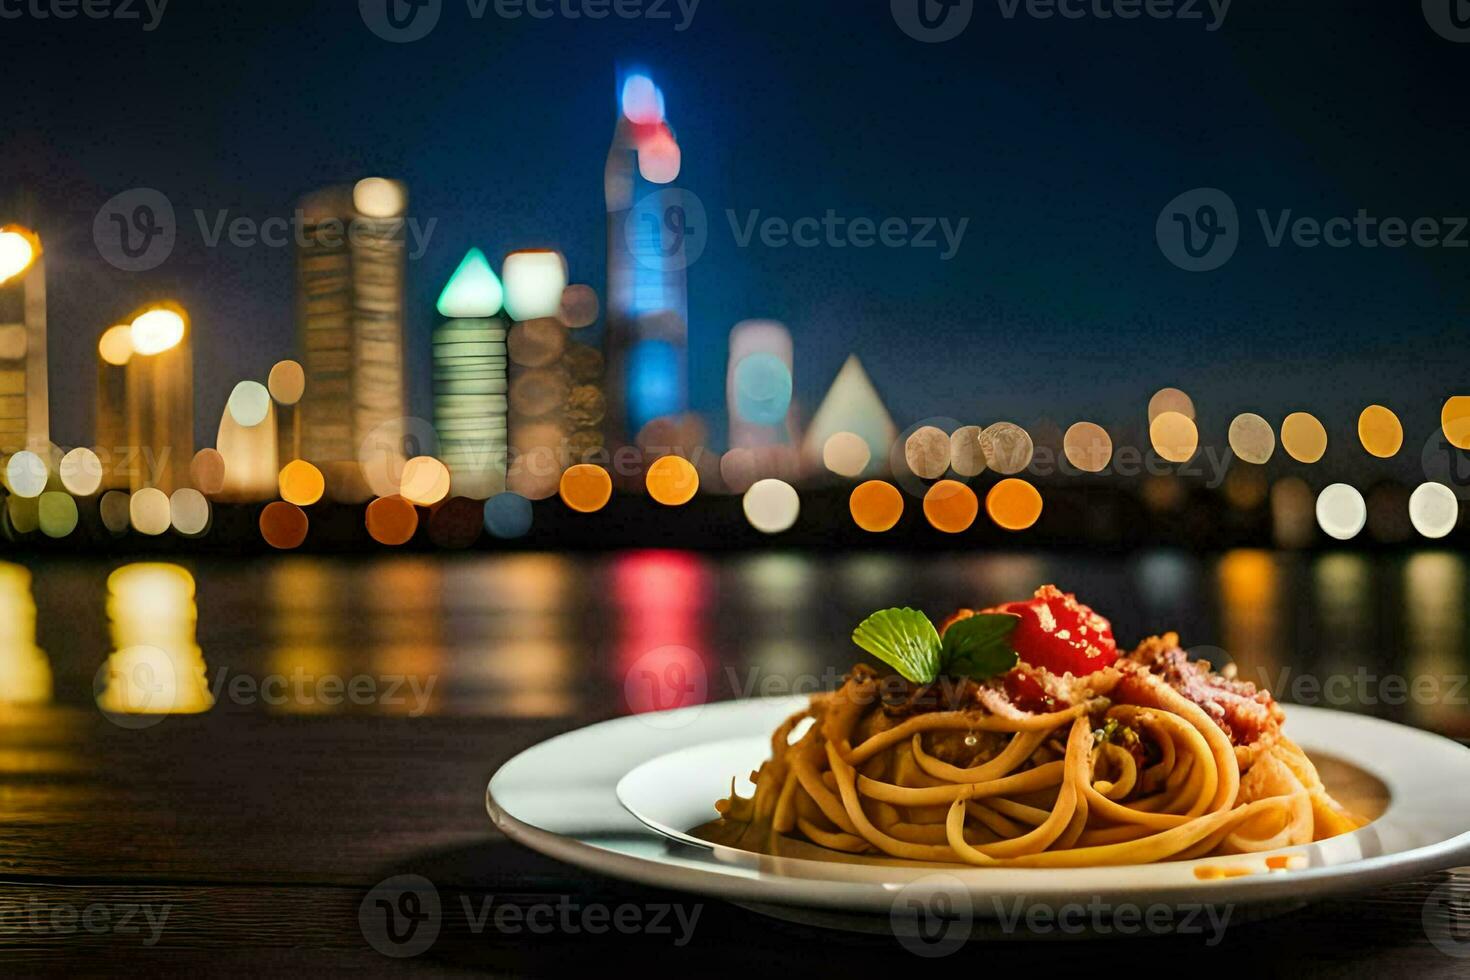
(1059,140)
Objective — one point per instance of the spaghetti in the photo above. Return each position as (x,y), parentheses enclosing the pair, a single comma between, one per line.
(1149,757)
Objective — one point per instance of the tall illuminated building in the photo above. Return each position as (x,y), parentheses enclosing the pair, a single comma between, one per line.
(647,248)
(758,385)
(110,433)
(350,274)
(25,421)
(160,398)
(540,382)
(470,379)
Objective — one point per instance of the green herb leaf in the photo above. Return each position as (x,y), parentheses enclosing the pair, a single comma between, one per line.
(980,647)
(905,640)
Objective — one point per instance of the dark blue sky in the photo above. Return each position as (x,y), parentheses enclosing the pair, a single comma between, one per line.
(1059,140)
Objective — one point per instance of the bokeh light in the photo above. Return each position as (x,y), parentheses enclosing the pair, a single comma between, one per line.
(659,157)
(425,481)
(672,481)
(301,483)
(1341,511)
(1434,510)
(772,506)
(1251,438)
(927,452)
(115,511)
(579,306)
(115,346)
(456,524)
(534,282)
(26,474)
(762,389)
(967,451)
(1170,400)
(1293,512)
(876,506)
(284,526)
(157,330)
(207,471)
(1008,448)
(149,511)
(17,252)
(508,516)
(1455,418)
(189,512)
(81,472)
(474,291)
(1380,431)
(391,520)
(846,454)
(379,197)
(287,382)
(1303,437)
(1088,447)
(586,488)
(56,513)
(24,513)
(1174,437)
(249,404)
(1013,504)
(642,102)
(951,507)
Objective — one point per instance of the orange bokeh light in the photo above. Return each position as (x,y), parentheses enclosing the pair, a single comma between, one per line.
(672,481)
(586,488)
(392,520)
(283,525)
(876,506)
(951,506)
(1013,504)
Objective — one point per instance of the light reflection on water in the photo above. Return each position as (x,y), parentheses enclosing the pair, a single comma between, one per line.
(539,635)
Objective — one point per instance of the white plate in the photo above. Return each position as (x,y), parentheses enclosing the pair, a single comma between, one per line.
(562,798)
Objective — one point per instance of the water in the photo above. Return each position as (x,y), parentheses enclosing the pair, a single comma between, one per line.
(584,637)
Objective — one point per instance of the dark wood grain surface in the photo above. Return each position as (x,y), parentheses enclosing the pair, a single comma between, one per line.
(246,844)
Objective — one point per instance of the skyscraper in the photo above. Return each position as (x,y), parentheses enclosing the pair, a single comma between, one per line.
(470,400)
(647,254)
(24,397)
(351,268)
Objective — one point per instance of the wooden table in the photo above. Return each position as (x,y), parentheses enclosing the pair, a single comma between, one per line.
(253,840)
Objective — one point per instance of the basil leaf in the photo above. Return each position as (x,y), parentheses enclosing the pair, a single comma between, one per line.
(905,640)
(980,647)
